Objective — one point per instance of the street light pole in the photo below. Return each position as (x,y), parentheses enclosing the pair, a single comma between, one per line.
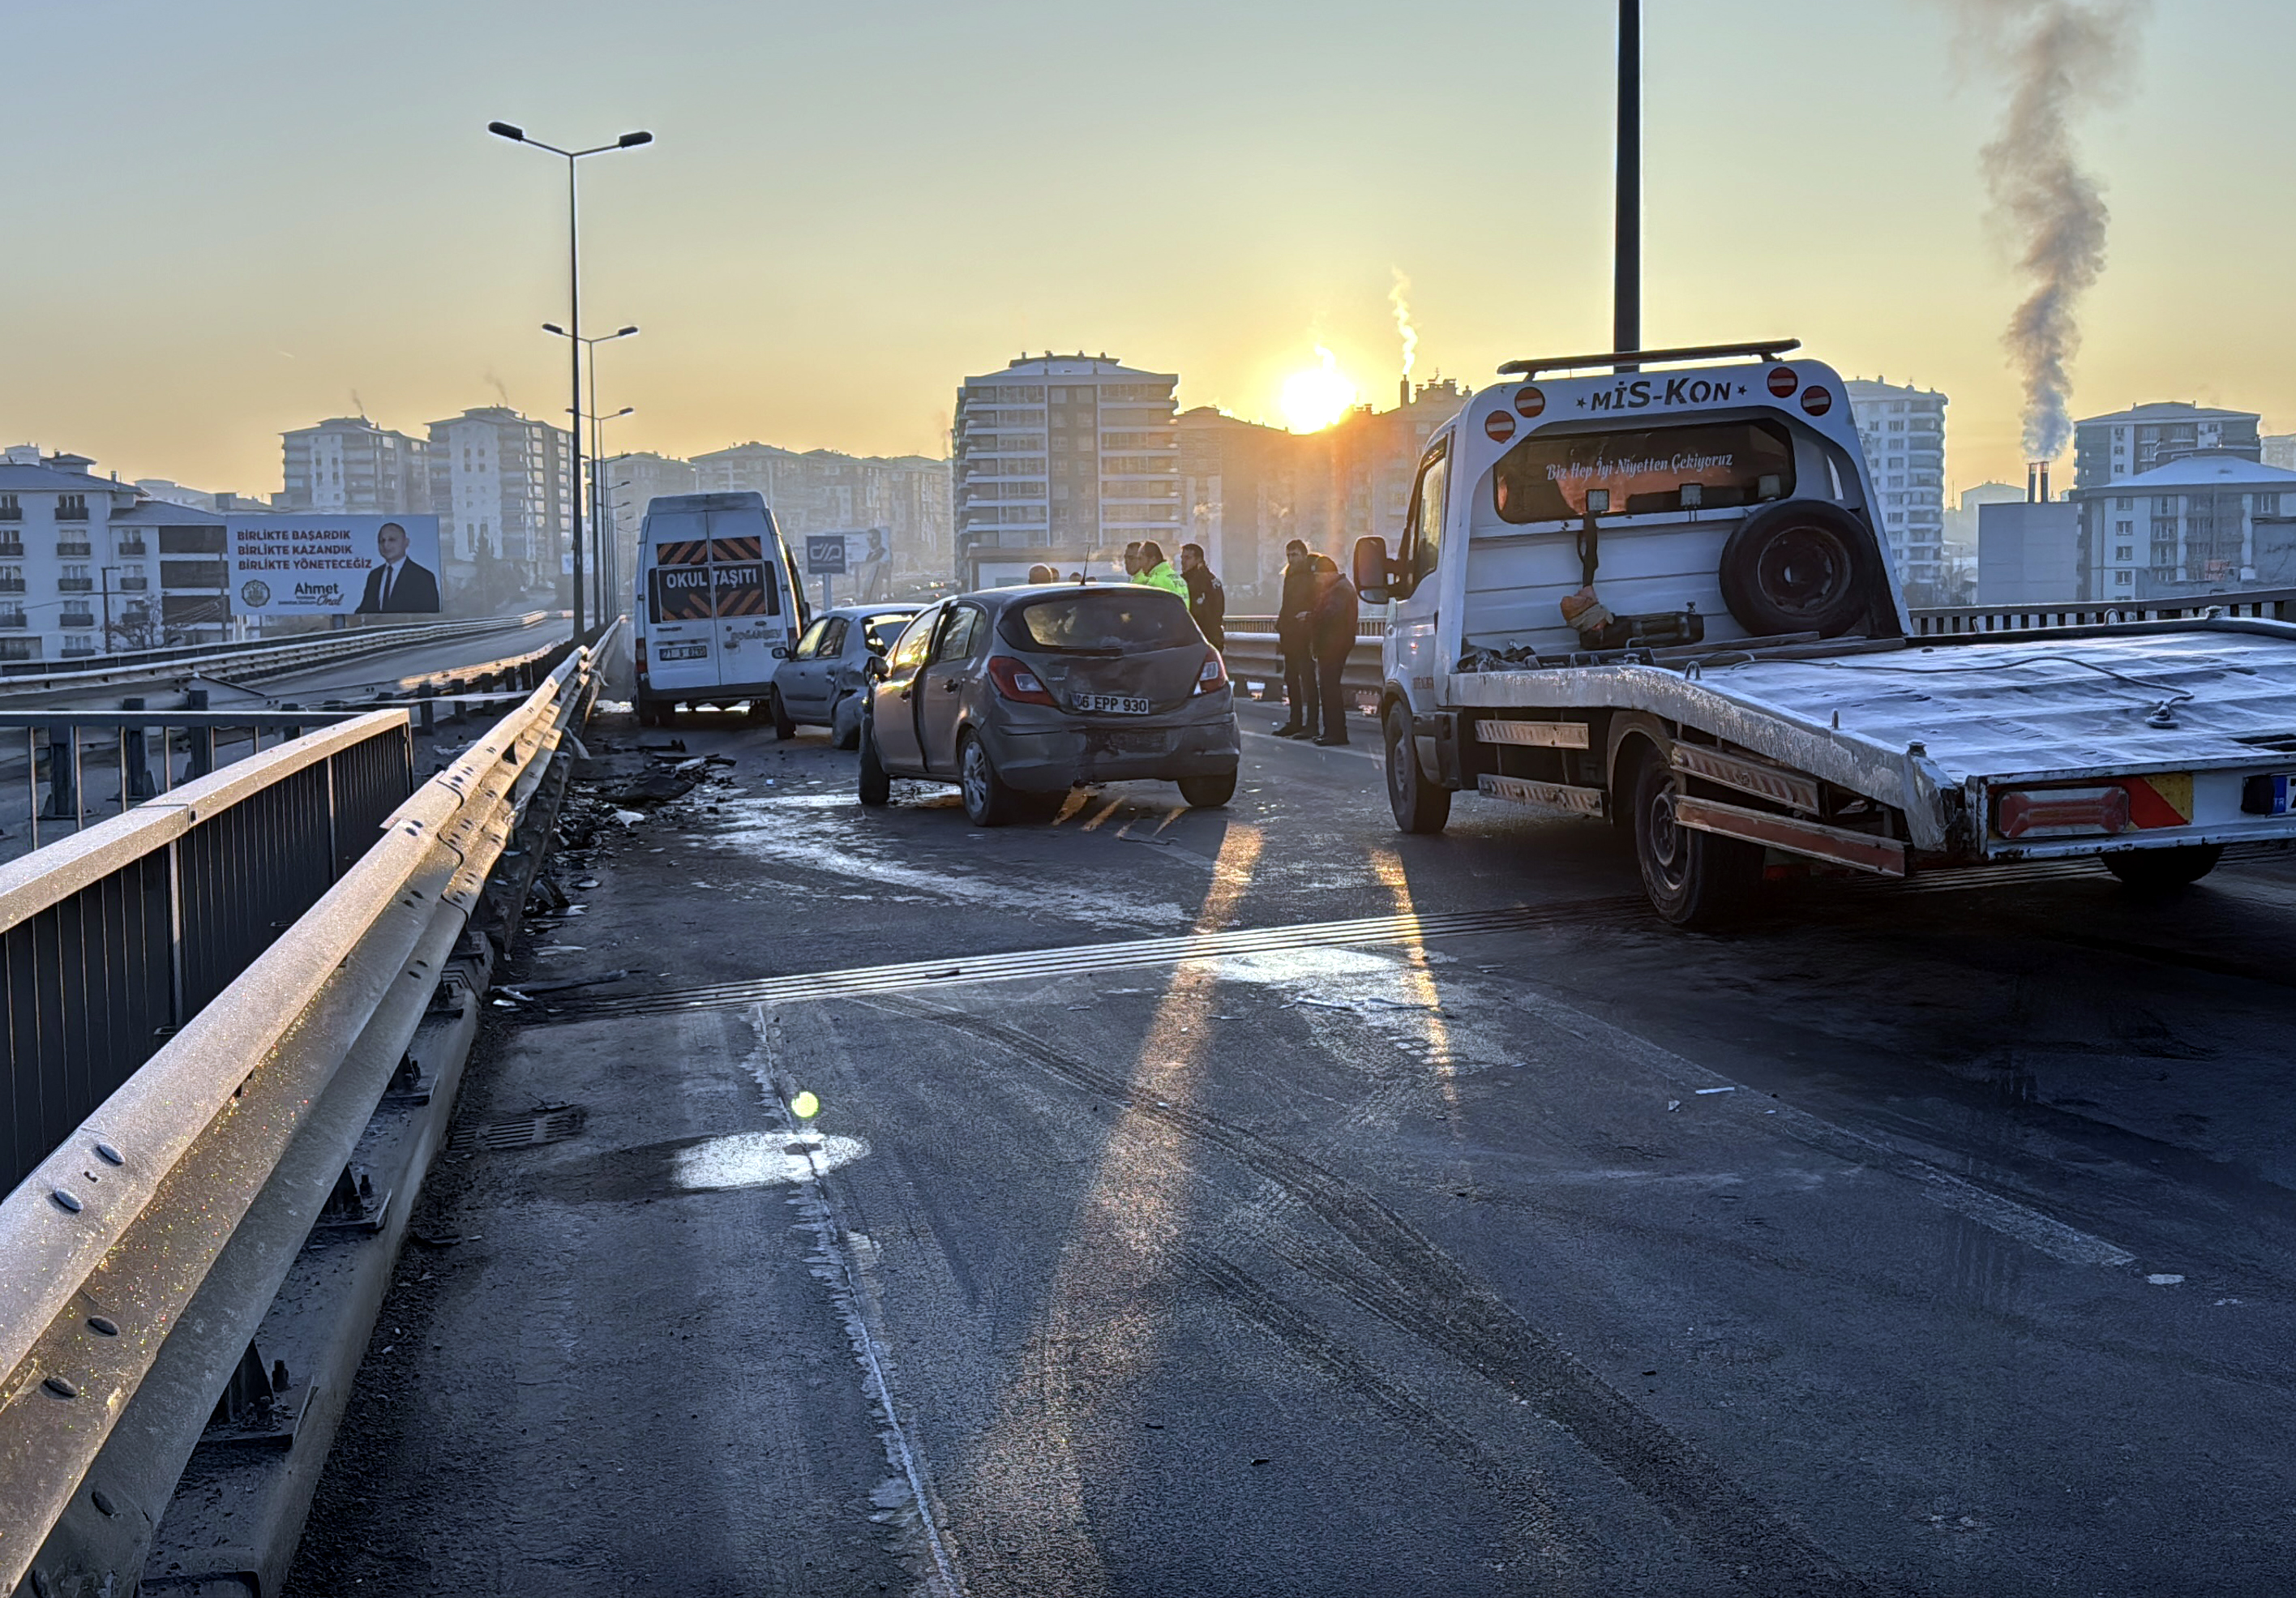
(628,141)
(598,539)
(1627,264)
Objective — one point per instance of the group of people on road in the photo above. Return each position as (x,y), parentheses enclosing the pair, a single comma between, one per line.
(1316,627)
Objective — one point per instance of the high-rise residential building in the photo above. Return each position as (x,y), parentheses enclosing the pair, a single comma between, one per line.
(2279,449)
(1902,430)
(501,485)
(2202,523)
(1063,460)
(634,480)
(2111,449)
(349,464)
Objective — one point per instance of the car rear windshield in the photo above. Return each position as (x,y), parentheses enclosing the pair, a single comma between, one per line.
(1103,621)
(1708,466)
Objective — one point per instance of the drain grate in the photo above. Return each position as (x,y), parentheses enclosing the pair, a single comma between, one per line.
(550,1123)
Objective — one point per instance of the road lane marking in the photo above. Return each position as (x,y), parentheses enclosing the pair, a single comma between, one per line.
(854,1289)
(1080,959)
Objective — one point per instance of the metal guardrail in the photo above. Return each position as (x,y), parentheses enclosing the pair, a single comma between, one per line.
(336,932)
(248,662)
(2274,604)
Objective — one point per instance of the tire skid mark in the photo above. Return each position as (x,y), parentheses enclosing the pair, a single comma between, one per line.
(1432,1296)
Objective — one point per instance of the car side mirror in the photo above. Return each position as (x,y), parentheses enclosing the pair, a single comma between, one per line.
(780,651)
(1377,577)
(875,669)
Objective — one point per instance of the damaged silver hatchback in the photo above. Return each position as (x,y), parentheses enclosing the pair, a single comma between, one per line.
(1018,695)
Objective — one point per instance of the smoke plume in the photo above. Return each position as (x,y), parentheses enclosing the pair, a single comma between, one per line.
(1399,298)
(499,387)
(2058,56)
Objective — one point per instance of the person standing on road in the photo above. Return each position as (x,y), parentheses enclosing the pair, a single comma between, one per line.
(1207,599)
(1131,561)
(1156,572)
(1041,573)
(1292,618)
(1332,639)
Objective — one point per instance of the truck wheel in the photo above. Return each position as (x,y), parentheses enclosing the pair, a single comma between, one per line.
(1695,881)
(1208,793)
(874,785)
(2165,871)
(988,800)
(1799,566)
(1419,805)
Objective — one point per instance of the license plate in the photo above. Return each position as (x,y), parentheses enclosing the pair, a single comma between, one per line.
(1129,744)
(1119,704)
(2274,794)
(682,651)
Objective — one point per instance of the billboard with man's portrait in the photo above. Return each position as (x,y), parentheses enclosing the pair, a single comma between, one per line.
(318,564)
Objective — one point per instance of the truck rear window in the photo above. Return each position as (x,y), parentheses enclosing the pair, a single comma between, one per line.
(1104,621)
(1546,477)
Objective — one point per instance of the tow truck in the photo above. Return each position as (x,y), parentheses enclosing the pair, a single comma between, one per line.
(1656,596)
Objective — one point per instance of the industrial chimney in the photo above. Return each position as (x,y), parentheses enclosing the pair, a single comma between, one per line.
(2045,483)
(2032,482)
(1407,390)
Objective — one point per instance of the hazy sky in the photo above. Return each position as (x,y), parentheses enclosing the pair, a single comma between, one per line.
(227,219)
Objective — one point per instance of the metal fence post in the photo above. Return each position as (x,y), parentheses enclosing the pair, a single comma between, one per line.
(63,761)
(136,783)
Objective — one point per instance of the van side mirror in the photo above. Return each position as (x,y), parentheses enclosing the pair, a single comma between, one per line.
(1376,575)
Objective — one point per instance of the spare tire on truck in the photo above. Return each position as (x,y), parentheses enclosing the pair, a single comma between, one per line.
(1800,566)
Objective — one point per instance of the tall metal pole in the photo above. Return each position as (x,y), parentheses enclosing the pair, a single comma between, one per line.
(574,363)
(1627,282)
(597,443)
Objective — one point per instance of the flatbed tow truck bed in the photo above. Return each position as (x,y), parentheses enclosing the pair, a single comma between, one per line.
(1935,729)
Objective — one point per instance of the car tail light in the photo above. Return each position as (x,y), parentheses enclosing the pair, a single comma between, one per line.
(641,659)
(2062,812)
(1017,683)
(1213,678)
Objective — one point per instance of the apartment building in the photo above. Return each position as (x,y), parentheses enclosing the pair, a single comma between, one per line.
(1902,430)
(349,464)
(79,558)
(2126,444)
(824,490)
(501,485)
(2202,523)
(1063,460)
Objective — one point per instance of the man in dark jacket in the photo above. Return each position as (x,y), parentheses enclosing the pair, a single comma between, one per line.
(1333,638)
(1207,599)
(1294,615)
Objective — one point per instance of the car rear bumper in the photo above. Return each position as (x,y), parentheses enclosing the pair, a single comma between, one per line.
(1054,761)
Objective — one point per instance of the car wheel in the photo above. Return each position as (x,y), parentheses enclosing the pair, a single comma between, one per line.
(845,722)
(1696,881)
(652,713)
(874,785)
(2164,871)
(988,800)
(783,727)
(1208,793)
(1419,805)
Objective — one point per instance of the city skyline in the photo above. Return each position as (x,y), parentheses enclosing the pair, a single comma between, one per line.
(804,274)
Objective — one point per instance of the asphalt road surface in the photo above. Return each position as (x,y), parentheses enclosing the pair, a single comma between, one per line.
(1922,1240)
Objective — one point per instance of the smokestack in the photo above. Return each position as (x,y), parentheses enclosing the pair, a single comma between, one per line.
(2058,57)
(2045,483)
(1405,391)
(2032,482)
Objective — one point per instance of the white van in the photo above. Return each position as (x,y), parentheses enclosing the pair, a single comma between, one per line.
(717,606)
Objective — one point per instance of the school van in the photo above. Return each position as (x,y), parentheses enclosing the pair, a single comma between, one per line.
(716,606)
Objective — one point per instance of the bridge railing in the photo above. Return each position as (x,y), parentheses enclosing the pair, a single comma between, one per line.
(205,1000)
(247,661)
